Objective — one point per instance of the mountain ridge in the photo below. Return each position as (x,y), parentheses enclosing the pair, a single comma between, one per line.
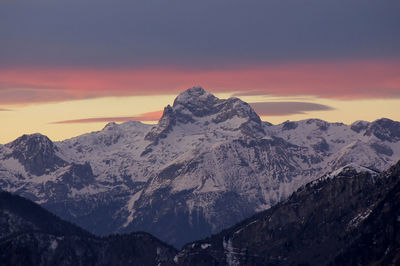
(185,169)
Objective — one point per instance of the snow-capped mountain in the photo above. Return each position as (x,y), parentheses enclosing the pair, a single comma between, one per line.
(206,165)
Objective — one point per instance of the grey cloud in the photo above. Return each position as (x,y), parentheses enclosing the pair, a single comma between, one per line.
(149,116)
(95,120)
(267,93)
(287,108)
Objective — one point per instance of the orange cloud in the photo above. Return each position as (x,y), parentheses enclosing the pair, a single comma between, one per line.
(150,116)
(338,80)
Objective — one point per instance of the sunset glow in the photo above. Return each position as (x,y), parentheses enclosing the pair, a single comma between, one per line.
(345,80)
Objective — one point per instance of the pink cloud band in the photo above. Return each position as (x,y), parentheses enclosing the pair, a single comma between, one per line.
(338,80)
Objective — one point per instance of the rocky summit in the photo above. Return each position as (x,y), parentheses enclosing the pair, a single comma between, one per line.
(206,165)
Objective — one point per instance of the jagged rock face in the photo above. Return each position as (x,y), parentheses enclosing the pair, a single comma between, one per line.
(164,126)
(349,218)
(73,177)
(29,235)
(36,153)
(203,154)
(78,175)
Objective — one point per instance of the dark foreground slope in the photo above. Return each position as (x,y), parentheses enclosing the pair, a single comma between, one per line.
(30,235)
(350,219)
(378,238)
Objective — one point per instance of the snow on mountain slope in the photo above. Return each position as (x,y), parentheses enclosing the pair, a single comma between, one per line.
(112,152)
(345,171)
(207,164)
(361,143)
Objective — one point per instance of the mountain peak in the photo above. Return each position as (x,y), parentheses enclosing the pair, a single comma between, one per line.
(191,93)
(195,104)
(27,141)
(196,100)
(36,152)
(199,103)
(110,126)
(384,129)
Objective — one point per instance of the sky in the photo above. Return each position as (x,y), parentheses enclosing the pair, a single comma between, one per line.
(68,67)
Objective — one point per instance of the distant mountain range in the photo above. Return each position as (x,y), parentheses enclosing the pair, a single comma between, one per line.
(343,218)
(208,164)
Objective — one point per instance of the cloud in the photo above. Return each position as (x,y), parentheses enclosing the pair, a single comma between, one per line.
(150,116)
(348,80)
(4,110)
(34,95)
(287,108)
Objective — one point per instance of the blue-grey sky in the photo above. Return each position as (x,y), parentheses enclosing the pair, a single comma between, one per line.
(198,34)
